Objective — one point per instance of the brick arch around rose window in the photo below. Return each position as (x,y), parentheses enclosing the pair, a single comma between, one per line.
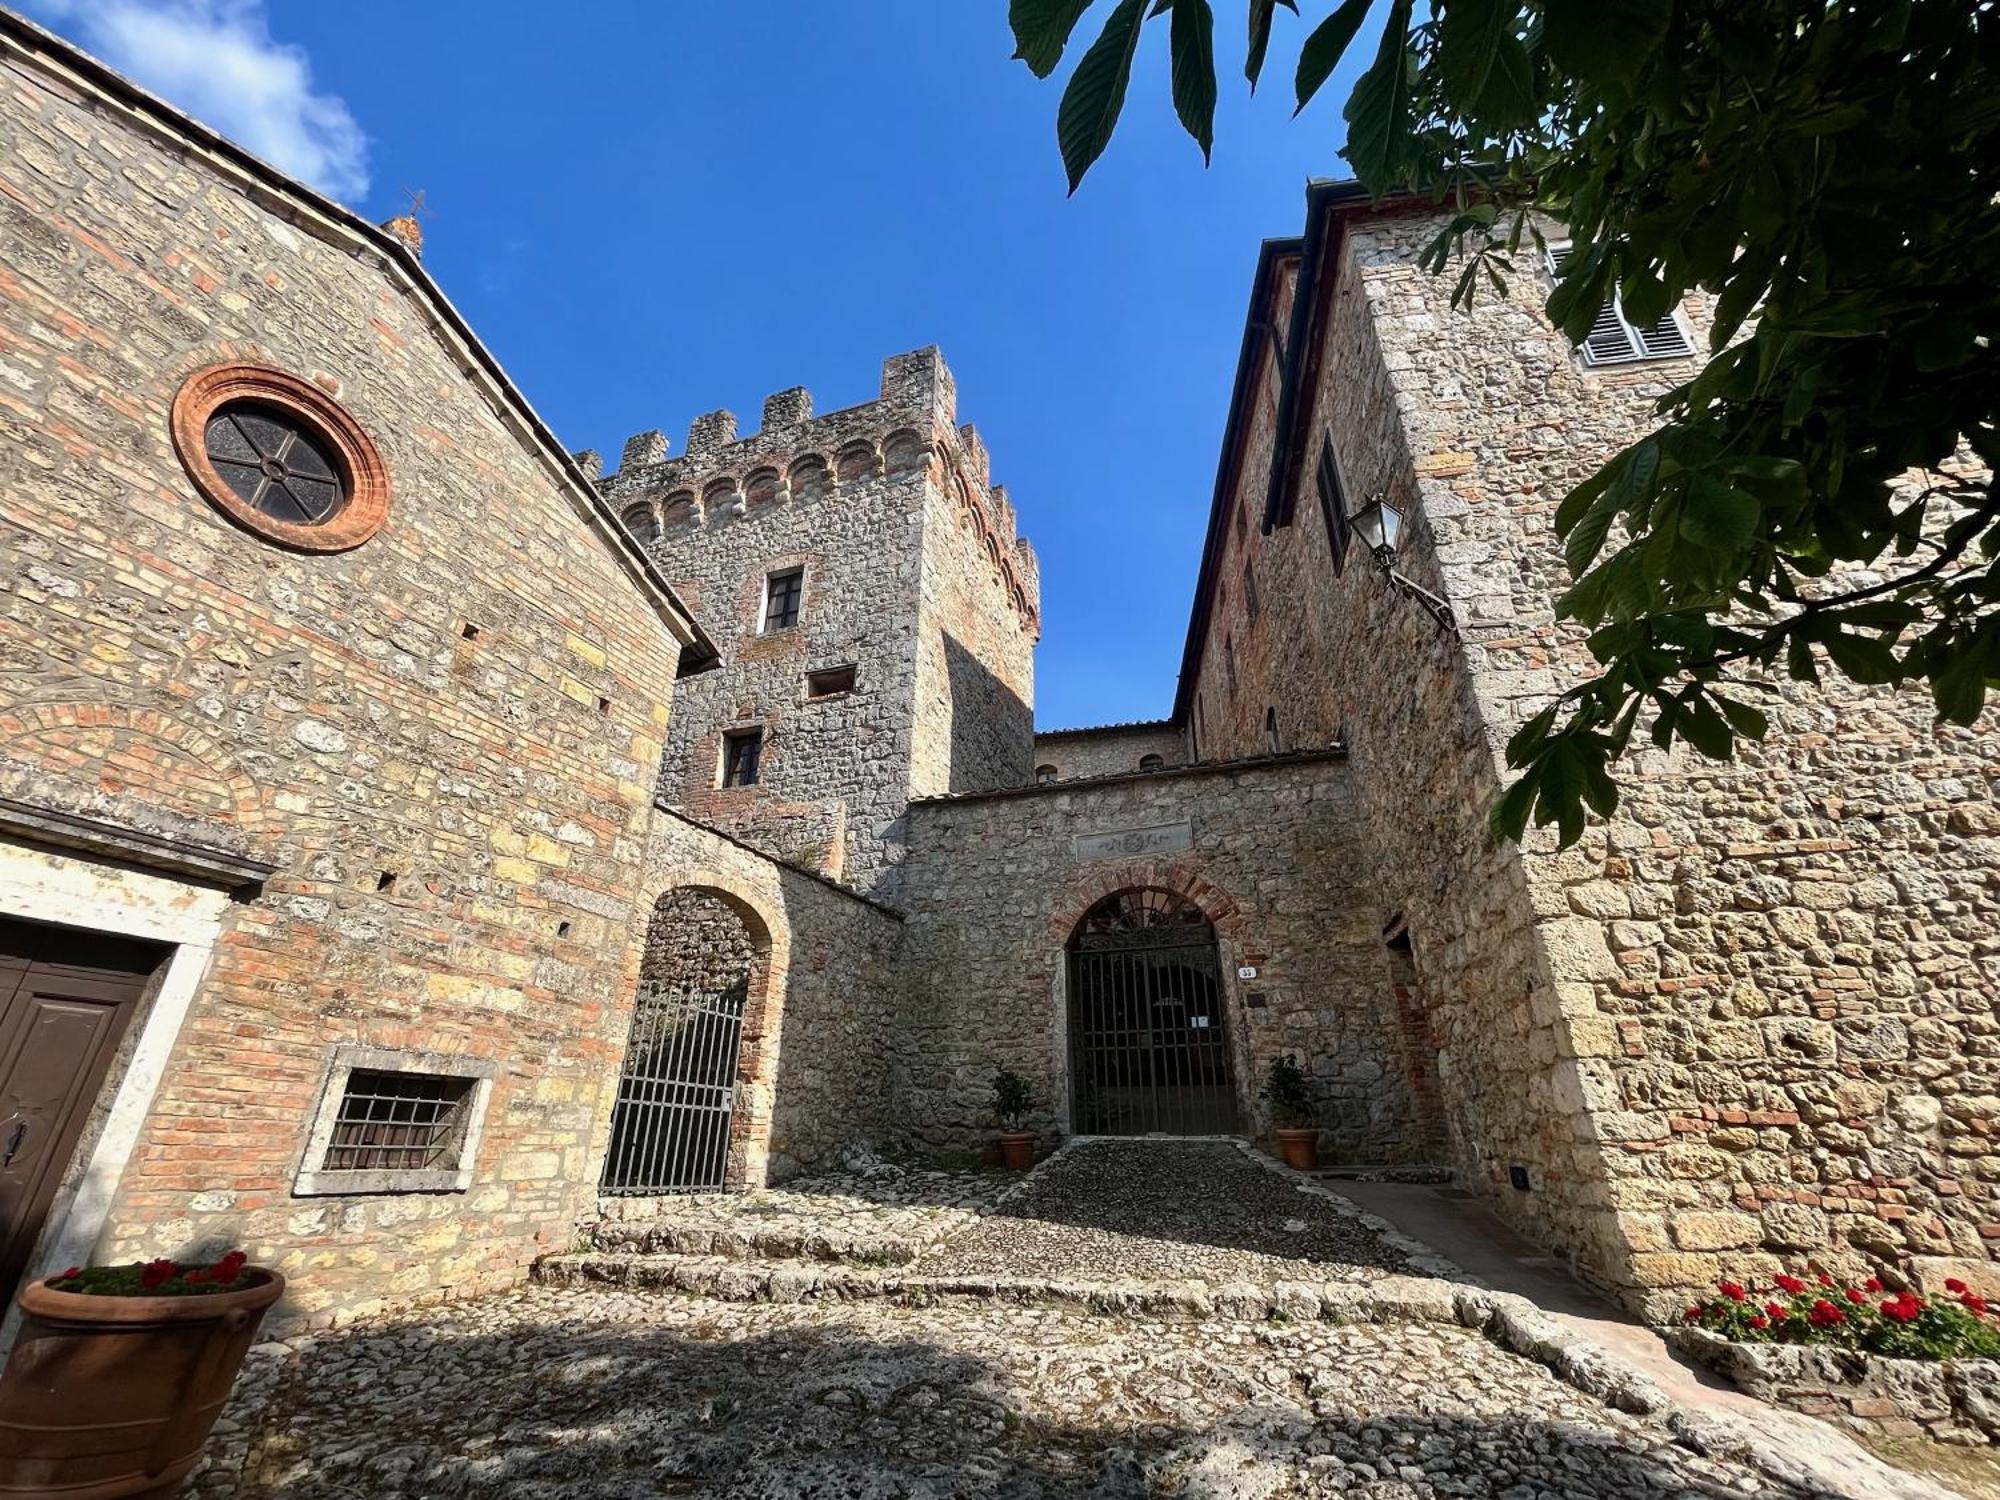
(1188,878)
(768,941)
(124,752)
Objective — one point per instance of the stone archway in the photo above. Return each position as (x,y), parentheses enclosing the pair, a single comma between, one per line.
(1149,1045)
(677,1125)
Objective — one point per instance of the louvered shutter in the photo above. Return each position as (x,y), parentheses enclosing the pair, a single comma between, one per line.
(1613,341)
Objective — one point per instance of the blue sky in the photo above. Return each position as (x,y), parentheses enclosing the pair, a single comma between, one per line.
(652,210)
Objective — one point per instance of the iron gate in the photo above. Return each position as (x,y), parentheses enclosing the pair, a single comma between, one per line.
(1149,1042)
(677,1094)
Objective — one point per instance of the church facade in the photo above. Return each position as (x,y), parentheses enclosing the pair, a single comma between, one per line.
(416,842)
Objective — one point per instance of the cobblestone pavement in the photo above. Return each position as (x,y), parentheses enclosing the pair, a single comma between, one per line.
(880,1211)
(567,1393)
(1166,1210)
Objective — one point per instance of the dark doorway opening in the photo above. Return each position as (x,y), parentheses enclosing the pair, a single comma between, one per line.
(1148,1036)
(67,998)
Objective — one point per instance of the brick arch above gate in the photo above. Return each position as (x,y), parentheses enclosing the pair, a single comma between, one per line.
(1186,878)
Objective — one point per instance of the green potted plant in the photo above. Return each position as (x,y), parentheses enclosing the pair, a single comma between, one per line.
(119,1372)
(1012,1098)
(1294,1115)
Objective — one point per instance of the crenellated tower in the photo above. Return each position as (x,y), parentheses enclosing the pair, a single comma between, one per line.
(875,610)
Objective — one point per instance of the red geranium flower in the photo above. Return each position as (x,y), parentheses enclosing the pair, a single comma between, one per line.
(1824,1314)
(71,1274)
(1791,1284)
(1824,1279)
(1873,1284)
(1758,1320)
(1973,1302)
(1901,1311)
(1693,1314)
(1774,1311)
(154,1272)
(1856,1295)
(230,1266)
(1731,1290)
(1953,1284)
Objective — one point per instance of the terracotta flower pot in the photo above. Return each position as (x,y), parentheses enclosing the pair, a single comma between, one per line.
(1299,1146)
(1017,1149)
(110,1396)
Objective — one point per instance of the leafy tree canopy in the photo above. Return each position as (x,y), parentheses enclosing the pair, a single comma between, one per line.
(1827,173)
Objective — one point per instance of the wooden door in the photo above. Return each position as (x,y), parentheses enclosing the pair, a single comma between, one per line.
(66,999)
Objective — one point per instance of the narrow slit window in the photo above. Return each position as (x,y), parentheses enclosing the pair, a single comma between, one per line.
(830,682)
(782,593)
(1272,744)
(1229,661)
(1252,605)
(741,754)
(1332,502)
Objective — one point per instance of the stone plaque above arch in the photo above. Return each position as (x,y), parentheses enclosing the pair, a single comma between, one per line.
(280,457)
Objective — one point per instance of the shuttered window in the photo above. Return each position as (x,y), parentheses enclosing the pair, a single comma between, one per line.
(1615,341)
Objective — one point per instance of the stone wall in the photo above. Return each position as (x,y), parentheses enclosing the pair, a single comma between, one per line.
(1109,751)
(998,883)
(817,1037)
(913,575)
(443,739)
(1953,1400)
(1743,1018)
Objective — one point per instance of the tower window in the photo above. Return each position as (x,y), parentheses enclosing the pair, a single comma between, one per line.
(828,683)
(741,752)
(1152,763)
(1614,340)
(1045,774)
(1332,501)
(643,523)
(782,592)
(1272,744)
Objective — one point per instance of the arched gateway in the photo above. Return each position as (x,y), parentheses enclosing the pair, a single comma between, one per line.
(1148,1038)
(671,1129)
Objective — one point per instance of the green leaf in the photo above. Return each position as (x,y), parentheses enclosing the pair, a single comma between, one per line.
(1702,727)
(1510,814)
(1378,113)
(1469,38)
(1865,658)
(1261,12)
(1041,30)
(1751,723)
(1959,688)
(1327,44)
(1718,515)
(1096,91)
(1193,39)
(1942,343)
(1508,100)
(1602,41)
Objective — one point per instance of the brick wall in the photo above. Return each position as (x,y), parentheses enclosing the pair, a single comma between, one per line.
(412,730)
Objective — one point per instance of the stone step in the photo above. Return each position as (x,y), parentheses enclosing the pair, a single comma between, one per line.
(1389,1299)
(734,1240)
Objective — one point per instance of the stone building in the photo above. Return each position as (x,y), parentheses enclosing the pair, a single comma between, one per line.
(414,842)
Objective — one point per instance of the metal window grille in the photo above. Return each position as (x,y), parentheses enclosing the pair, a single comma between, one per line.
(740,755)
(1332,502)
(398,1122)
(1614,340)
(782,592)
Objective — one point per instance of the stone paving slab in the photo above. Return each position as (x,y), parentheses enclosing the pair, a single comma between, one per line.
(574,1394)
(1162,1209)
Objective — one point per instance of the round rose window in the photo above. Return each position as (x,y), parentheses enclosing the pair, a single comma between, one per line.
(275,464)
(280,457)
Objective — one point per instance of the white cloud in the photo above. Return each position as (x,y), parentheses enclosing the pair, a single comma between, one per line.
(216,60)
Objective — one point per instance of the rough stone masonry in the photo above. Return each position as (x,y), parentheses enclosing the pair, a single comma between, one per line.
(416,797)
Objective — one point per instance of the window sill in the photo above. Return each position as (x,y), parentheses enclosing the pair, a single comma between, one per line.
(328,1184)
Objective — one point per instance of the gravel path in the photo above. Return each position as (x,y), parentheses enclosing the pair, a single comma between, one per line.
(566,1395)
(1165,1210)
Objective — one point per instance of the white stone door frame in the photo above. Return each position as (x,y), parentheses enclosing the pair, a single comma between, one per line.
(100,896)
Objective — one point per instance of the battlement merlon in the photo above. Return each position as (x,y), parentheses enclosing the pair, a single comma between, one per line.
(917,392)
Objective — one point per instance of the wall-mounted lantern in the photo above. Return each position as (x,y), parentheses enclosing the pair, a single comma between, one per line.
(1380,526)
